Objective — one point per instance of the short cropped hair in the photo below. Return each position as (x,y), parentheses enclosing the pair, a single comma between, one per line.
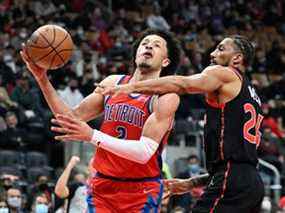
(173,49)
(245,47)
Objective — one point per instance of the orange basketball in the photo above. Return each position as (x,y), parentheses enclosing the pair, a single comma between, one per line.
(50,47)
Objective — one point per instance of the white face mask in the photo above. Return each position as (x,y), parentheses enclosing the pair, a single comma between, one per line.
(23,34)
(4,210)
(41,208)
(14,202)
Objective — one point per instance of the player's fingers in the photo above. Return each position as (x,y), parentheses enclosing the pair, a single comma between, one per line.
(24,57)
(66,118)
(23,48)
(174,188)
(62,130)
(166,182)
(66,138)
(27,59)
(170,181)
(166,195)
(178,189)
(24,52)
(64,124)
(31,66)
(75,158)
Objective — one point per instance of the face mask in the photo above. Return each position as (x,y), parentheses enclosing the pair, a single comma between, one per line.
(73,88)
(41,208)
(194,168)
(4,210)
(43,187)
(14,202)
(23,35)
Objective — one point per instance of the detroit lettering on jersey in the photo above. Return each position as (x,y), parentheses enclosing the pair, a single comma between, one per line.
(124,113)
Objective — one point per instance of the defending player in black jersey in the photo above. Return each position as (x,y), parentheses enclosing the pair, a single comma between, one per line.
(232,135)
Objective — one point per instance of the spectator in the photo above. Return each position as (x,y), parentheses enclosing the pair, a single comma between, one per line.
(15,136)
(6,104)
(27,97)
(42,187)
(71,94)
(87,82)
(76,193)
(178,209)
(271,149)
(166,170)
(3,205)
(14,200)
(97,19)
(194,169)
(44,8)
(3,128)
(271,122)
(282,203)
(8,180)
(41,204)
(156,21)
(5,71)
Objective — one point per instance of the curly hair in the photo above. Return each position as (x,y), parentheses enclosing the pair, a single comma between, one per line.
(173,49)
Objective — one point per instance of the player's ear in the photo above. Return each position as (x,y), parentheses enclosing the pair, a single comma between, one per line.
(237,59)
(165,62)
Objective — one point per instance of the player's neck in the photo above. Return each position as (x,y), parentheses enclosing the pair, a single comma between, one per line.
(238,67)
(141,76)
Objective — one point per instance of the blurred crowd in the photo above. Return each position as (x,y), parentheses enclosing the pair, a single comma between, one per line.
(103,35)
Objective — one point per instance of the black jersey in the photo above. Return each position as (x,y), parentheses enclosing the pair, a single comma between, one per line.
(232,129)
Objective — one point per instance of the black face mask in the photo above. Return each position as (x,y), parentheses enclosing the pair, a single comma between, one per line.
(73,88)
(43,187)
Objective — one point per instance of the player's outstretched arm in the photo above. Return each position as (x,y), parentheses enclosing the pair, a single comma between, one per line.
(212,78)
(61,189)
(88,109)
(140,150)
(181,186)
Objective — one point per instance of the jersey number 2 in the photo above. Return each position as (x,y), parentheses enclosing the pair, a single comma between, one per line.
(122,132)
(254,122)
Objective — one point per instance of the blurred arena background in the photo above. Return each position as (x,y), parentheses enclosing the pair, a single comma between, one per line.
(103,32)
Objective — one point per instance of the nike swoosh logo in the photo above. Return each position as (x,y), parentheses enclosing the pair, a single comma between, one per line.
(146,191)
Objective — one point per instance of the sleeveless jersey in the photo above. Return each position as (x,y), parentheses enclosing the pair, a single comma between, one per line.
(124,118)
(232,131)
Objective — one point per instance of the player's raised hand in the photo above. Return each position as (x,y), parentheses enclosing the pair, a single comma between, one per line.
(178,186)
(114,90)
(37,71)
(73,161)
(72,129)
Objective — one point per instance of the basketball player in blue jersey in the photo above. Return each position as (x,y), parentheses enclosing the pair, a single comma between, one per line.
(133,133)
(231,132)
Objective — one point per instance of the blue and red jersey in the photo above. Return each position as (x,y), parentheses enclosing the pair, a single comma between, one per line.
(124,118)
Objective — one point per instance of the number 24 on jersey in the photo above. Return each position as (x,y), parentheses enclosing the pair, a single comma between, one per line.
(253,123)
